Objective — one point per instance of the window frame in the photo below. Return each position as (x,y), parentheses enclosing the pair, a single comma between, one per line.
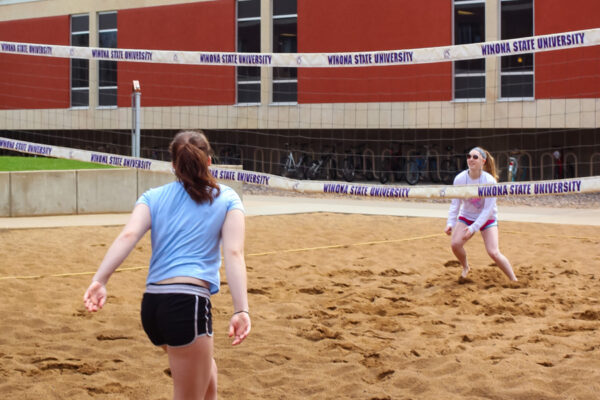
(502,74)
(71,88)
(469,74)
(284,80)
(239,82)
(106,88)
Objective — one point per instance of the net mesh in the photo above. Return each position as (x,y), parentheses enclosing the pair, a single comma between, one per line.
(390,124)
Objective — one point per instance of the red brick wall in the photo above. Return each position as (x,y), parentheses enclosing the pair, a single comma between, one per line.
(204,26)
(358,25)
(567,73)
(31,82)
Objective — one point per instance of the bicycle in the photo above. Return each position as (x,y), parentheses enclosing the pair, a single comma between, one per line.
(355,165)
(392,166)
(418,166)
(292,168)
(450,166)
(230,155)
(324,168)
(519,166)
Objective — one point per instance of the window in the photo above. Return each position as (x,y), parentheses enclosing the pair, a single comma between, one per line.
(469,27)
(107,70)
(516,72)
(248,41)
(285,40)
(80,68)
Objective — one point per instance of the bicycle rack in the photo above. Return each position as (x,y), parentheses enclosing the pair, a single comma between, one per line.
(311,153)
(502,161)
(271,163)
(373,167)
(387,152)
(241,156)
(262,159)
(570,156)
(522,154)
(410,156)
(436,154)
(543,165)
(592,162)
(338,163)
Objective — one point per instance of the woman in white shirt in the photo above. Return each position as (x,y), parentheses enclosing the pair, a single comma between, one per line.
(467,216)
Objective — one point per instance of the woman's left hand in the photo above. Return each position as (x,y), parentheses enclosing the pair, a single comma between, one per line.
(239,327)
(95,296)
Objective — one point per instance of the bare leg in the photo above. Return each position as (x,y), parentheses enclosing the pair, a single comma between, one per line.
(191,368)
(490,238)
(211,392)
(458,248)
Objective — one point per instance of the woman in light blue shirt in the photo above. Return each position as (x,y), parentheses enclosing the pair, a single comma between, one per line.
(190,220)
(468,216)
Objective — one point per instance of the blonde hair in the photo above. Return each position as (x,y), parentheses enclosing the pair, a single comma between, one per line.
(489,165)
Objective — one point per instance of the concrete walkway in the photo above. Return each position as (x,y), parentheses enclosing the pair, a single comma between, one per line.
(275,205)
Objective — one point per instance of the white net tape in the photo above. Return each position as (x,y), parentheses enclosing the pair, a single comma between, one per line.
(548,187)
(533,44)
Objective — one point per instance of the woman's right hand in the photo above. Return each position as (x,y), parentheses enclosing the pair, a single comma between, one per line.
(448,230)
(95,296)
(239,327)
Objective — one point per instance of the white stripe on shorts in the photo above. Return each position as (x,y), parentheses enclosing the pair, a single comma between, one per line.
(196,318)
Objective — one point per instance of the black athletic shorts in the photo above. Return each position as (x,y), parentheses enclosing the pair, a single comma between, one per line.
(176,314)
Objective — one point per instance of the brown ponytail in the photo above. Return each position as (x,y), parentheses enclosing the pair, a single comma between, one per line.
(490,165)
(190,152)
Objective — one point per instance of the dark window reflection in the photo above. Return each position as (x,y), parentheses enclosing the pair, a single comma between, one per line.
(107,39)
(80,23)
(285,35)
(469,66)
(107,70)
(471,87)
(469,27)
(107,97)
(517,19)
(107,73)
(518,62)
(80,71)
(80,40)
(516,22)
(107,21)
(248,34)
(285,7)
(80,98)
(517,86)
(248,74)
(249,93)
(248,8)
(285,92)
(285,40)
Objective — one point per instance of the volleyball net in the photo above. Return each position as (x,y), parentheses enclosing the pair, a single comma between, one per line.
(370,123)
(502,189)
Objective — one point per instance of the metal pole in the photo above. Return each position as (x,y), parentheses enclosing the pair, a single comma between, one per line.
(138,123)
(135,138)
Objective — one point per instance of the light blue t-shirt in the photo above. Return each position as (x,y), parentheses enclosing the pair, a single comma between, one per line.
(186,236)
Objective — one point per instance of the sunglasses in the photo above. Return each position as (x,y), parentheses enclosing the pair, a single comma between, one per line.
(474,156)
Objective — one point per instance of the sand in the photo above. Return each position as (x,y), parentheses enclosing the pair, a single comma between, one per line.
(343,307)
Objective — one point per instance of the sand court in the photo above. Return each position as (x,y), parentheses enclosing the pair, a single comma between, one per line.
(343,306)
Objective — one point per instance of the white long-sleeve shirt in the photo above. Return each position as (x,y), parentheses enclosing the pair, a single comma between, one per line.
(475,209)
